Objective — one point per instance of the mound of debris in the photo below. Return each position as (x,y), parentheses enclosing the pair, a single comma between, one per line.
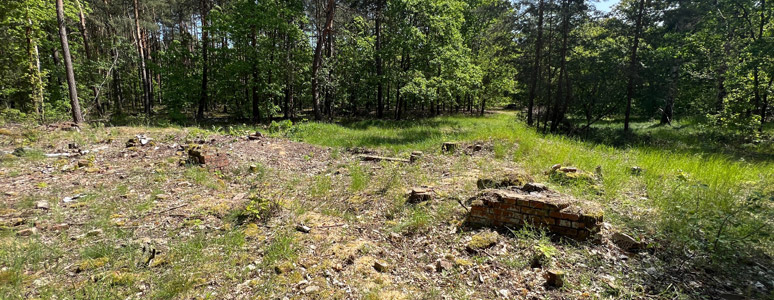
(207,156)
(536,206)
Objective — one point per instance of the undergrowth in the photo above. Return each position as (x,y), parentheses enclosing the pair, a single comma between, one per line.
(691,198)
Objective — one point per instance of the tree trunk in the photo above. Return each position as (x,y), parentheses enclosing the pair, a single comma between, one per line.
(76,106)
(668,112)
(288,109)
(379,101)
(205,45)
(141,52)
(317,61)
(36,82)
(254,83)
(633,65)
(561,88)
(536,70)
(765,103)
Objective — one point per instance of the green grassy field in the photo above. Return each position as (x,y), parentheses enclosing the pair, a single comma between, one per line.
(691,194)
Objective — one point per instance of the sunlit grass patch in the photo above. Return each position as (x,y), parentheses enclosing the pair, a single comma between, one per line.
(687,212)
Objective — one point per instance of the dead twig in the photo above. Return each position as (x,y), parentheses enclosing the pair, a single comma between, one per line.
(463,205)
(166,210)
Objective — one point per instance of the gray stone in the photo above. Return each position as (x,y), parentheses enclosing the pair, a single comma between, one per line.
(626,242)
(311,289)
(381,266)
(555,278)
(442,265)
(27,232)
(303,228)
(534,187)
(42,205)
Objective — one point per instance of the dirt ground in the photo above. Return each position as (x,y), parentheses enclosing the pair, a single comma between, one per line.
(84,215)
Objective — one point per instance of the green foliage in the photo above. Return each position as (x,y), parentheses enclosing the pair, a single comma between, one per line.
(359,178)
(689,212)
(282,247)
(261,209)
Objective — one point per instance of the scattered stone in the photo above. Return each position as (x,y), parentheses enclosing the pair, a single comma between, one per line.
(254,169)
(534,187)
(482,240)
(569,169)
(420,195)
(556,167)
(505,294)
(626,242)
(255,136)
(303,228)
(138,140)
(450,146)
(555,278)
(42,205)
(443,265)
(311,289)
(636,171)
(27,232)
(338,267)
(65,126)
(381,266)
(71,199)
(478,147)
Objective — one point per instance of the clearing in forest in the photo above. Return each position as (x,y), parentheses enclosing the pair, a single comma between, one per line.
(130,212)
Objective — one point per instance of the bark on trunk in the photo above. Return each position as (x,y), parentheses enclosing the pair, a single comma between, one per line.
(668,111)
(379,96)
(76,106)
(633,65)
(317,61)
(205,45)
(536,70)
(141,53)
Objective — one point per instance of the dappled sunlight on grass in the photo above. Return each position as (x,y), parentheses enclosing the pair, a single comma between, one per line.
(686,193)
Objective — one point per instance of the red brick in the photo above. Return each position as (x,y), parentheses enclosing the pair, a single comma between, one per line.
(571,217)
(536,204)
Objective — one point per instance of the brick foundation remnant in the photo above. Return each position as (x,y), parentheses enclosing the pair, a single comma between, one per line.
(515,208)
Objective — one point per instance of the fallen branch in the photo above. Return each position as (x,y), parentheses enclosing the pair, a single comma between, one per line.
(166,210)
(328,226)
(365,157)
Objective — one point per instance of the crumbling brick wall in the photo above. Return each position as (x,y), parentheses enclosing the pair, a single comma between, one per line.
(513,209)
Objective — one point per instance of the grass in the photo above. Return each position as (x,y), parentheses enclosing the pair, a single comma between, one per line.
(682,197)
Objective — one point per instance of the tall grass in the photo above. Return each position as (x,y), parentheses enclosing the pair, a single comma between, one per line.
(704,201)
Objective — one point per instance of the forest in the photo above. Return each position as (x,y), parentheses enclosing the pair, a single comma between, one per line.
(565,63)
(386,149)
